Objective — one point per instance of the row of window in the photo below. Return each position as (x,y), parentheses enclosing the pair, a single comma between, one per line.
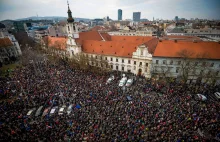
(201,71)
(129,61)
(116,66)
(187,63)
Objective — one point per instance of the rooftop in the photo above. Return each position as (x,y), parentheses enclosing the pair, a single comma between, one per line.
(5,42)
(198,49)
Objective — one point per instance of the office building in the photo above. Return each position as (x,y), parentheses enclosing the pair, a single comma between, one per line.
(119,14)
(136,16)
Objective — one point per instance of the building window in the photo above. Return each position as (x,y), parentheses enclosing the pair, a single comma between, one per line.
(135,62)
(134,67)
(112,66)
(177,70)
(217,73)
(116,60)
(164,61)
(122,68)
(212,64)
(171,62)
(116,67)
(204,63)
(96,57)
(122,60)
(179,62)
(146,64)
(111,59)
(157,61)
(106,58)
(140,63)
(68,28)
(129,61)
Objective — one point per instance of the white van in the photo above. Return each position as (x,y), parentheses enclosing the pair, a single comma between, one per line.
(129,82)
(122,81)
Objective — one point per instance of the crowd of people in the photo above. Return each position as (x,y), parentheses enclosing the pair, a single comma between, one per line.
(105,113)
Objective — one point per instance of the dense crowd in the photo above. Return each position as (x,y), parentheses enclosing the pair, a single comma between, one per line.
(157,112)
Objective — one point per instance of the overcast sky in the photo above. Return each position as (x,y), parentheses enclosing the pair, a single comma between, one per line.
(165,9)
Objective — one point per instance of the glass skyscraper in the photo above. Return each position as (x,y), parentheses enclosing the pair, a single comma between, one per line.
(136,16)
(119,14)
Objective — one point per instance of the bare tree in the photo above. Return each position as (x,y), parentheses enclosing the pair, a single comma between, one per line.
(193,65)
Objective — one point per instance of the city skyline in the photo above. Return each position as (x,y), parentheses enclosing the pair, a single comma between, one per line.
(165,9)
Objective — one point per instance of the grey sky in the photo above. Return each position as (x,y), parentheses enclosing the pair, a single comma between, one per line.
(165,9)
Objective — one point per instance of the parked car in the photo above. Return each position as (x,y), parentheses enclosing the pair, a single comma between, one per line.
(200,97)
(110,79)
(122,81)
(129,82)
(69,109)
(54,110)
(46,111)
(39,111)
(217,95)
(30,112)
(61,110)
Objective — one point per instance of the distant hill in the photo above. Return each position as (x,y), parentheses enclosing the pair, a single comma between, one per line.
(7,23)
(56,18)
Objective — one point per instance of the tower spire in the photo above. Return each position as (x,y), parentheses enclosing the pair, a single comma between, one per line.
(70,18)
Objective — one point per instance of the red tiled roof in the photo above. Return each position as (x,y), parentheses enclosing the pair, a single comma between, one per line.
(152,44)
(106,36)
(132,39)
(169,48)
(91,35)
(124,46)
(112,48)
(5,42)
(57,42)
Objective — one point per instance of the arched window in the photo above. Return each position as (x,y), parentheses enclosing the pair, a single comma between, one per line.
(68,28)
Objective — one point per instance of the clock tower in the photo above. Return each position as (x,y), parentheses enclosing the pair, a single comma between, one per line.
(72,32)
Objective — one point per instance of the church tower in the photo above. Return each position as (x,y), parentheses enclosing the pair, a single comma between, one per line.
(73,33)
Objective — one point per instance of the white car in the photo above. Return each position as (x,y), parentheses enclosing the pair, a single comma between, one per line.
(61,110)
(39,111)
(30,112)
(201,97)
(110,79)
(129,82)
(122,82)
(217,95)
(69,109)
(53,110)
